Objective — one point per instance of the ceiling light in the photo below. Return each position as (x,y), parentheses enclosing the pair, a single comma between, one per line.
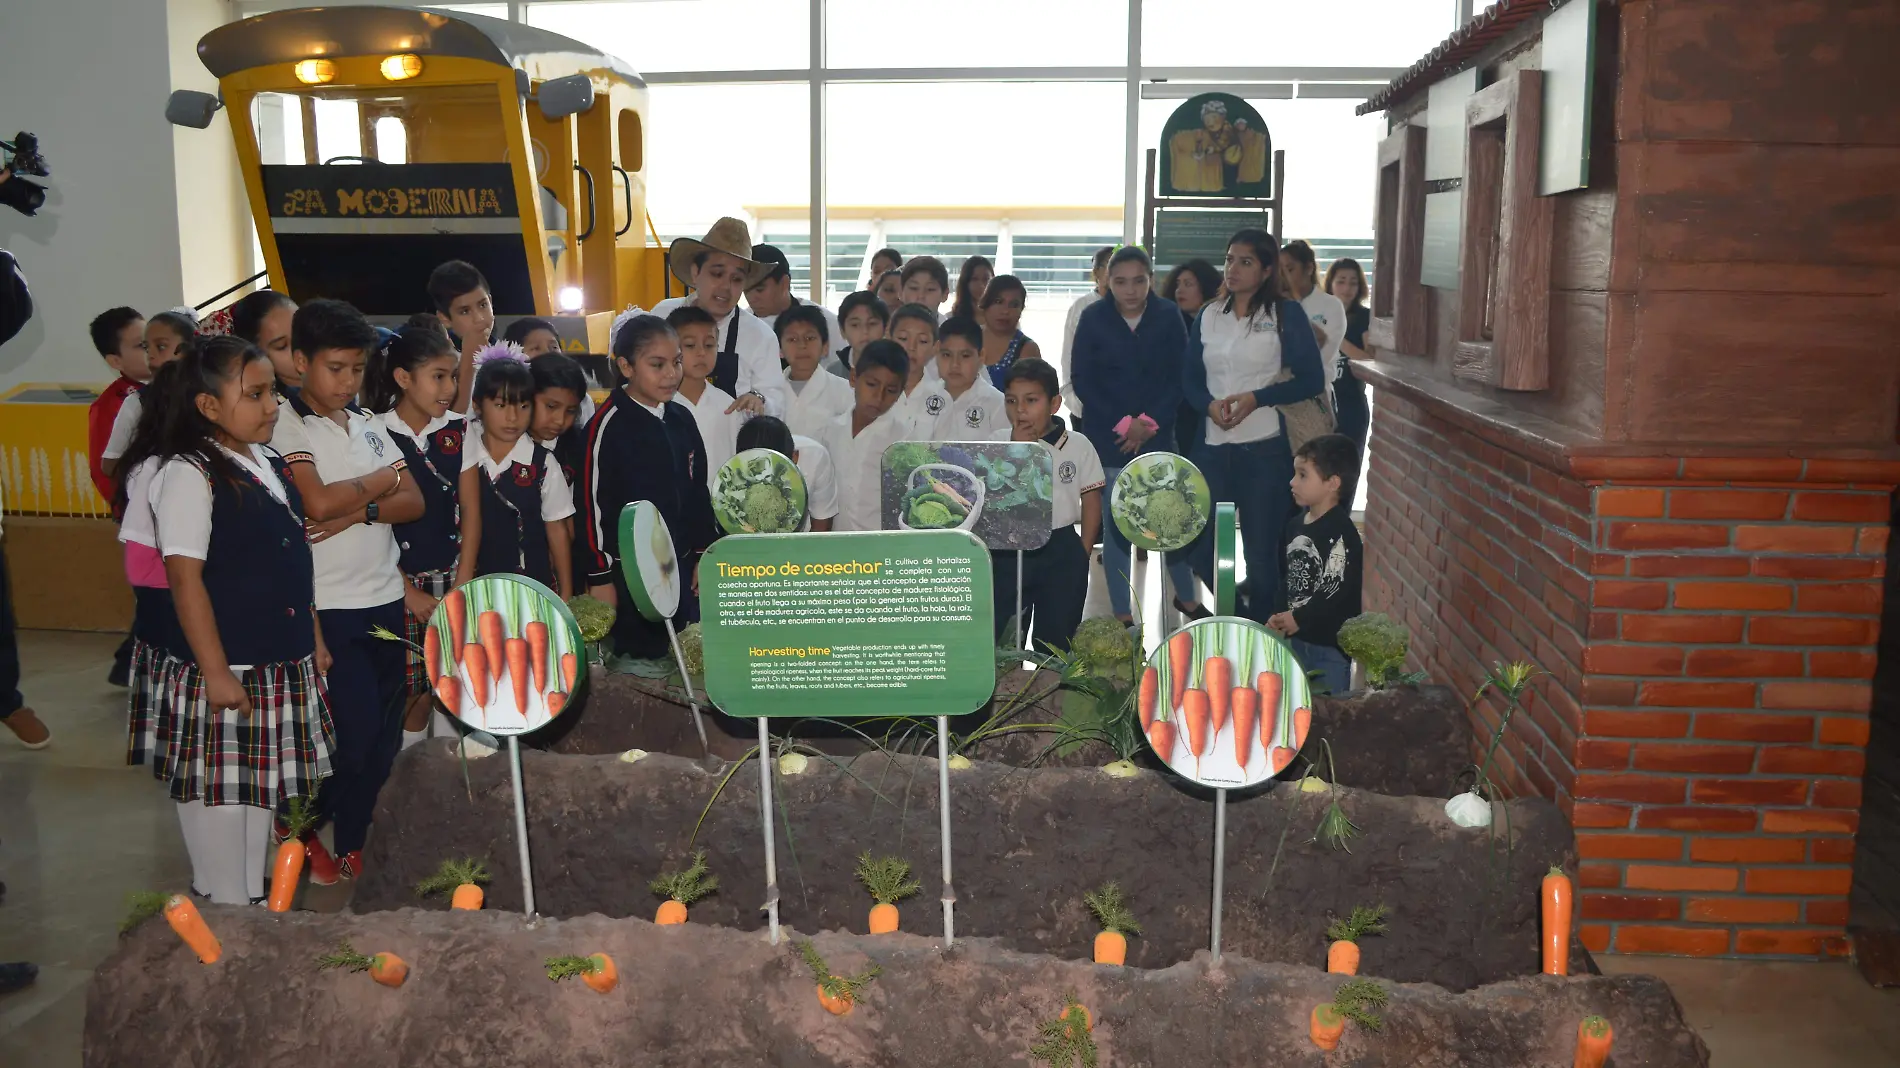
(401,67)
(315,71)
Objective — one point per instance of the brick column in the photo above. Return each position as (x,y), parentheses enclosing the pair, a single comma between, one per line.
(1709,625)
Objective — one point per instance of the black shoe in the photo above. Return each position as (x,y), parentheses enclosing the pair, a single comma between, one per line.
(120,675)
(1192,612)
(17,976)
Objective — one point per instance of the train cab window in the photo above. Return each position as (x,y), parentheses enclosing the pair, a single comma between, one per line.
(277,120)
(339,129)
(632,142)
(392,140)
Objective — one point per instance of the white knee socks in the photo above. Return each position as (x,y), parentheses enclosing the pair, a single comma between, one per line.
(229,847)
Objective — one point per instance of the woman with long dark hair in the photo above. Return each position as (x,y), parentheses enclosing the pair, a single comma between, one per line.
(972,279)
(1000,314)
(1236,351)
(263,319)
(1346,280)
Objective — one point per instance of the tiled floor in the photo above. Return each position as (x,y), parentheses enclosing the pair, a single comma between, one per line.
(81,830)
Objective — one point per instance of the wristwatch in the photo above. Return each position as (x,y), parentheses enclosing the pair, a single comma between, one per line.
(370,512)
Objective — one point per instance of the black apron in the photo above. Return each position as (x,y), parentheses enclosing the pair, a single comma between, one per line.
(725,373)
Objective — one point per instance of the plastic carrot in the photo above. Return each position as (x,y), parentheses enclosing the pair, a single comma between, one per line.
(475,660)
(1556,914)
(190,926)
(1593,1042)
(432,651)
(1328,1026)
(457,603)
(1180,653)
(284,873)
(388,969)
(492,641)
(570,664)
(1217,676)
(556,701)
(517,652)
(448,690)
(537,634)
(1150,690)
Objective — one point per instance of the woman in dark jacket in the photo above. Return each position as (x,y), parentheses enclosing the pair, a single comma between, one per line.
(1127,366)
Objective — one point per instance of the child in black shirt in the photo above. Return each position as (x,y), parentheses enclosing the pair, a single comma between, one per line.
(1321,573)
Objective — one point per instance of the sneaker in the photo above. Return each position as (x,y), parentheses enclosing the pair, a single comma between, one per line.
(28,729)
(322,865)
(17,975)
(120,675)
(1192,612)
(352,864)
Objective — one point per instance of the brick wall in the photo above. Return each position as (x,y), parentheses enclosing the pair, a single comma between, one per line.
(1709,626)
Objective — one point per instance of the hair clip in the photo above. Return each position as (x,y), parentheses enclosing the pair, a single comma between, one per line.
(634,311)
(500,350)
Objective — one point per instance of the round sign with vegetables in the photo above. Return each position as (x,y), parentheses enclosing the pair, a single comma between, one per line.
(648,562)
(759,491)
(1160,502)
(1224,702)
(504,654)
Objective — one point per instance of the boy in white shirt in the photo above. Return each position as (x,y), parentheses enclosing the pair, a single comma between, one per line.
(814,465)
(857,439)
(863,318)
(1056,576)
(699,353)
(962,405)
(817,397)
(914,328)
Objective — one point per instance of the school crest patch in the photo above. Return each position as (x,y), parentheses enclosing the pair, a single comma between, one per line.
(524,475)
(1066,472)
(933,404)
(375,442)
(449,441)
(973,418)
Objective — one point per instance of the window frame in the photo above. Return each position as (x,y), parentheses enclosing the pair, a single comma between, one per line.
(1505,240)
(1398,246)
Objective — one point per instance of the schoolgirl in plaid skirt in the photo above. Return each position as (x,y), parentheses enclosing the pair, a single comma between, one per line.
(235,718)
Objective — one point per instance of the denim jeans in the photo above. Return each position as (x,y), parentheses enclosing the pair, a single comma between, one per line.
(1255,476)
(1116,565)
(1335,669)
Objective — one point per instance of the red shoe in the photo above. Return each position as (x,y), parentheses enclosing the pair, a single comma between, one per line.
(323,867)
(352,864)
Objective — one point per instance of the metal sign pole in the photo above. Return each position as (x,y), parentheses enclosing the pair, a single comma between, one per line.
(943,822)
(521,827)
(686,680)
(1220,863)
(1022,631)
(765,810)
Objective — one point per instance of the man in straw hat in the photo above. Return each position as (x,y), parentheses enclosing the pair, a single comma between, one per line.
(720,268)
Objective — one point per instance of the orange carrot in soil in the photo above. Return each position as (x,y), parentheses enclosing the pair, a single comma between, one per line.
(835,1004)
(1150,690)
(1088,1019)
(467,896)
(492,641)
(556,701)
(570,665)
(537,634)
(1342,957)
(1194,716)
(432,651)
(1593,1042)
(1556,910)
(1180,651)
(475,659)
(1217,675)
(448,690)
(673,911)
(1327,1026)
(1111,947)
(190,926)
(457,603)
(883,919)
(517,653)
(284,872)
(604,977)
(388,969)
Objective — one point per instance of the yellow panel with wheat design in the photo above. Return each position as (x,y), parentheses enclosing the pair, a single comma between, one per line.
(43,468)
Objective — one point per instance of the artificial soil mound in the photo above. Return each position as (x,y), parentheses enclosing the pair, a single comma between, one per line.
(1028,844)
(1403,742)
(696,995)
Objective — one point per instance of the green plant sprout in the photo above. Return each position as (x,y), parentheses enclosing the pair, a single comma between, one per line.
(301,814)
(1110,909)
(688,885)
(1510,681)
(1065,1041)
(141,905)
(345,957)
(1335,830)
(451,874)
(887,878)
(1356,999)
(560,968)
(844,987)
(1362,922)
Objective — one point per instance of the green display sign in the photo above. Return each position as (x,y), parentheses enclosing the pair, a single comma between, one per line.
(1183,234)
(897,623)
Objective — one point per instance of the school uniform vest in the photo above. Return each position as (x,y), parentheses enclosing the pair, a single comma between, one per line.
(258,573)
(514,537)
(725,373)
(432,542)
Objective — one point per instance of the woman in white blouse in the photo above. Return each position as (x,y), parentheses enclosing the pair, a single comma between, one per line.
(1236,349)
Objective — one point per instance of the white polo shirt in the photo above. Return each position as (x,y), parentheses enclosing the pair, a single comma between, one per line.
(821,479)
(557,498)
(1241,355)
(759,367)
(978,415)
(858,462)
(1078,471)
(718,428)
(355,568)
(822,398)
(139,526)
(1327,313)
(123,424)
(180,498)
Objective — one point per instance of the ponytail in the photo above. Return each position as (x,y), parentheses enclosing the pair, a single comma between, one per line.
(420,340)
(170,424)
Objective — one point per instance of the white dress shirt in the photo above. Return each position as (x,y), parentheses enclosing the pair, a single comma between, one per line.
(759,368)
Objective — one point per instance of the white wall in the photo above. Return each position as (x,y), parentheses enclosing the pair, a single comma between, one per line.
(214,219)
(90,78)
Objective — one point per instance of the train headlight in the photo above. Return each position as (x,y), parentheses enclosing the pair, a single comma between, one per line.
(401,67)
(315,71)
(571,298)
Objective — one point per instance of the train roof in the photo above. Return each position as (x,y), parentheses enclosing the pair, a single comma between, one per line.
(299,33)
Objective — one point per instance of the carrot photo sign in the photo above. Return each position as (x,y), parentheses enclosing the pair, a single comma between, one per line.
(504,654)
(1224,703)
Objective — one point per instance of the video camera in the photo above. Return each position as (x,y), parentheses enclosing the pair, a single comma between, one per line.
(16,192)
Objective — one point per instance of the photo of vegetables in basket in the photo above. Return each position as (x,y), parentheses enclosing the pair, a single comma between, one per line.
(1224,703)
(503,654)
(648,562)
(1160,502)
(1000,491)
(759,492)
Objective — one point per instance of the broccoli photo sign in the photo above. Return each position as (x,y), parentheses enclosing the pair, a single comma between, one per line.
(1160,502)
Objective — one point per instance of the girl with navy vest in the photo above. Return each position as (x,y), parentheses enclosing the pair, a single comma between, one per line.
(243,723)
(520,525)
(411,386)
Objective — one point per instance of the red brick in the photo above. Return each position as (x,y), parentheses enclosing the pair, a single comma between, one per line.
(1744,663)
(1651,789)
(1794,539)
(1741,469)
(1831,913)
(1643,596)
(1698,759)
(1698,694)
(1887,471)
(1589,814)
(1691,630)
(1630,907)
(1599,876)
(1594,936)
(1809,821)
(1630,503)
(1600,755)
(1800,760)
(1749,791)
(1742,727)
(1840,730)
(1625,468)
(1598,690)
(1631,846)
(1674,536)
(1783,942)
(1737,596)
(1872,541)
(1831,850)
(1855,598)
(1678,941)
(1602,626)
(1600,723)
(1667,877)
(1803,630)
(1606,563)
(1818,696)
(1809,567)
(1633,660)
(1694,819)
(1837,793)
(1838,665)
(1747,850)
(1807,882)
(1742,910)
(1688,566)
(1842,507)
(1727,504)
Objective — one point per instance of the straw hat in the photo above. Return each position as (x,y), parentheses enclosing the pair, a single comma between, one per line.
(729,236)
